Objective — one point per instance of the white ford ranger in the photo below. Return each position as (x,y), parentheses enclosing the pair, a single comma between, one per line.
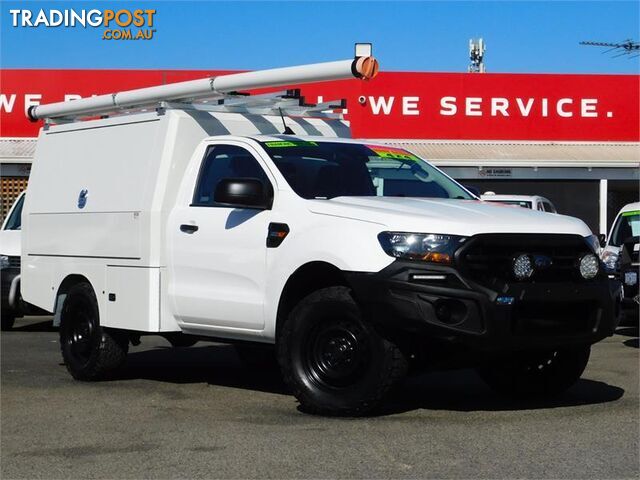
(353,259)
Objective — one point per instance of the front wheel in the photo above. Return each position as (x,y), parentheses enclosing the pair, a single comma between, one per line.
(537,373)
(333,361)
(89,350)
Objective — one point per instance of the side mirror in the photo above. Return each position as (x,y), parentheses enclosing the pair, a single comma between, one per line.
(472,189)
(602,238)
(243,193)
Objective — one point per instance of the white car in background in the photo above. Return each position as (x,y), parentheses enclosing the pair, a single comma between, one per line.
(10,250)
(533,202)
(10,264)
(625,231)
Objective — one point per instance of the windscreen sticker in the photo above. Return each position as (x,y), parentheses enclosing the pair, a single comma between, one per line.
(392,153)
(631,213)
(635,226)
(286,143)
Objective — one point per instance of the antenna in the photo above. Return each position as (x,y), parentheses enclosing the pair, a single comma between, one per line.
(627,47)
(476,55)
(287,130)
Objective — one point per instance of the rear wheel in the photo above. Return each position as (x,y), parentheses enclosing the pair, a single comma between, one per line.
(332,360)
(89,350)
(538,373)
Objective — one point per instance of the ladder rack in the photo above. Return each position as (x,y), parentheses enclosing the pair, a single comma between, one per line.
(222,91)
(288,103)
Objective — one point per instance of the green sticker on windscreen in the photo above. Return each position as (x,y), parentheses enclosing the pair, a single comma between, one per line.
(630,214)
(287,143)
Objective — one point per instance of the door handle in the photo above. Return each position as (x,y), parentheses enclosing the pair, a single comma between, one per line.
(188,228)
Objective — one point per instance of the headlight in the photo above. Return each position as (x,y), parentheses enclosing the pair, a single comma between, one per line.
(428,247)
(610,260)
(522,267)
(4,261)
(589,266)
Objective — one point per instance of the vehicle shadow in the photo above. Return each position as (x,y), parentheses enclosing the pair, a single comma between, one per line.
(204,363)
(31,325)
(464,391)
(629,331)
(458,390)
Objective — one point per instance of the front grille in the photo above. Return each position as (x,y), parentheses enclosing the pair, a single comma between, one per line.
(14,262)
(488,259)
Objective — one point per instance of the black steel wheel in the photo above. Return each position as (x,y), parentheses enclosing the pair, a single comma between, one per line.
(333,361)
(536,373)
(337,353)
(89,350)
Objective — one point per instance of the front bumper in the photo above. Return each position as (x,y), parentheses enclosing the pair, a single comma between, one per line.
(418,300)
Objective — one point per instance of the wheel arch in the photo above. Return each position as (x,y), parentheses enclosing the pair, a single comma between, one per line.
(305,280)
(67,284)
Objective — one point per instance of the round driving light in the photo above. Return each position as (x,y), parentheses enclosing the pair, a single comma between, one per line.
(522,267)
(589,266)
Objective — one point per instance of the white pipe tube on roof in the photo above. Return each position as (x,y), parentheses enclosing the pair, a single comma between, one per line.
(361,67)
(277,77)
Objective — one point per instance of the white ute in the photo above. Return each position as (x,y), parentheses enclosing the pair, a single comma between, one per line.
(201,221)
(533,202)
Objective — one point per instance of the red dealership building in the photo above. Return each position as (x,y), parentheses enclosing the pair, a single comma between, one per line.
(574,139)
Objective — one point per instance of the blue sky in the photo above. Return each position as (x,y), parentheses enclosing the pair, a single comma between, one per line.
(424,36)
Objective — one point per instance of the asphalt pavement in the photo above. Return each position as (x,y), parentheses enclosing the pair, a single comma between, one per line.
(199,413)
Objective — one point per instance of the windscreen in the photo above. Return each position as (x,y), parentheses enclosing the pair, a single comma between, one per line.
(14,222)
(324,170)
(519,203)
(627,226)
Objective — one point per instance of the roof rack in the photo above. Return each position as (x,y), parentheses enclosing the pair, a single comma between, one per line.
(222,91)
(286,102)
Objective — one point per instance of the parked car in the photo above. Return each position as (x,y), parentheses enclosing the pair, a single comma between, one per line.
(353,259)
(10,264)
(13,306)
(533,202)
(620,254)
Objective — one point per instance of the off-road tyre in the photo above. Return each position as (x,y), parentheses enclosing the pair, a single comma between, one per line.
(543,373)
(7,321)
(89,351)
(334,362)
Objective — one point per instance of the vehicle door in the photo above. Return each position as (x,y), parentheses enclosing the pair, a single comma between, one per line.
(218,253)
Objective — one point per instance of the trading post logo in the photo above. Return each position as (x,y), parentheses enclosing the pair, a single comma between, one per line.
(124,24)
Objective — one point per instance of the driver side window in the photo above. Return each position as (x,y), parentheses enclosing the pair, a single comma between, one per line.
(225,161)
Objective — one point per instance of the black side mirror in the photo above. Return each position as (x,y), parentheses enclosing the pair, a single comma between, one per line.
(472,189)
(243,193)
(602,238)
